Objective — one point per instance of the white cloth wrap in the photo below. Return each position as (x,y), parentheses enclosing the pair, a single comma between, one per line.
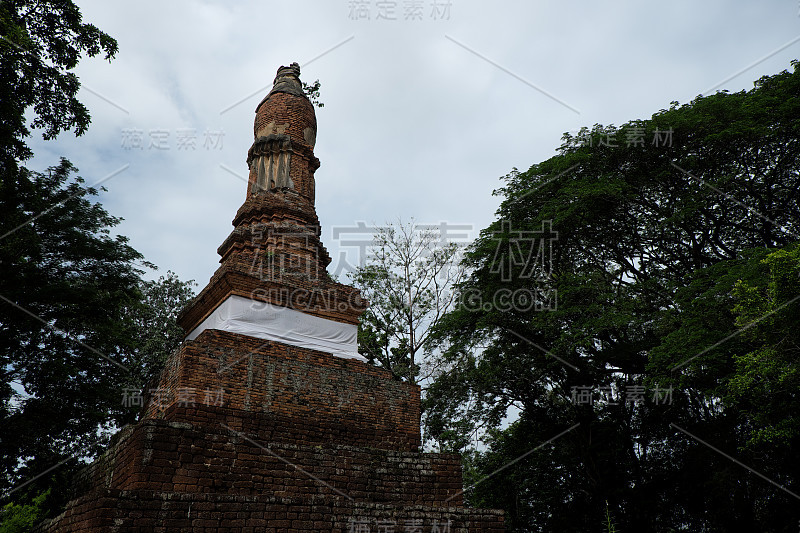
(281,324)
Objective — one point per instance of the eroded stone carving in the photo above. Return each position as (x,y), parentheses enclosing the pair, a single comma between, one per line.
(271,159)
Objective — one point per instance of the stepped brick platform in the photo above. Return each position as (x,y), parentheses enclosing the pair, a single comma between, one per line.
(176,457)
(145,511)
(296,392)
(266,419)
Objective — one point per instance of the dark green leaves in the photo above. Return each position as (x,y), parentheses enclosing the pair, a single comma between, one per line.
(672,262)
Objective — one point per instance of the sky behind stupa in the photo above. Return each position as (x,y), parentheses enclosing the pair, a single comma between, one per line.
(427,103)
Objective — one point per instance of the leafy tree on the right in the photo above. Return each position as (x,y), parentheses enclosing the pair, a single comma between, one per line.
(655,340)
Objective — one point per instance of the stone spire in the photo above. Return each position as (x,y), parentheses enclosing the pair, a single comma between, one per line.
(274,253)
(285,128)
(270,361)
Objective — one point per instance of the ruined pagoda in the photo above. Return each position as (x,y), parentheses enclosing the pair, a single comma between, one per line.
(267,419)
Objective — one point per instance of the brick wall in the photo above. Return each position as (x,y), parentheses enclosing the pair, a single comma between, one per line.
(314,395)
(172,457)
(140,511)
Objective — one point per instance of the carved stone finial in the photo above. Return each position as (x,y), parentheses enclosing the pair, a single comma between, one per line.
(292,72)
(287,80)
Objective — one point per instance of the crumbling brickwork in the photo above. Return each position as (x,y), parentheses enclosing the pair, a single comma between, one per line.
(135,511)
(179,457)
(251,435)
(323,398)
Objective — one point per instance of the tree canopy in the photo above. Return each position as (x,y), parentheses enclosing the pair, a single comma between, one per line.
(78,323)
(41,43)
(651,270)
(408,279)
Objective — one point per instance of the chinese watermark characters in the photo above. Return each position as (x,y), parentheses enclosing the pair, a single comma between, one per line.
(629,394)
(160,139)
(413,10)
(630,137)
(360,237)
(184,397)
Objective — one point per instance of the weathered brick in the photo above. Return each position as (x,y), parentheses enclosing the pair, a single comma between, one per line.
(300,440)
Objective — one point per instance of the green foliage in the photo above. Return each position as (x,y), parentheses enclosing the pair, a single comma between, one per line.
(312,92)
(65,283)
(156,330)
(73,305)
(664,250)
(766,380)
(609,525)
(408,280)
(21,518)
(41,44)
(78,323)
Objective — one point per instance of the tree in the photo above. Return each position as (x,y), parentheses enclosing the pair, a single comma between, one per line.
(65,284)
(71,295)
(408,281)
(765,383)
(54,244)
(15,518)
(78,326)
(311,90)
(661,226)
(42,42)
(157,333)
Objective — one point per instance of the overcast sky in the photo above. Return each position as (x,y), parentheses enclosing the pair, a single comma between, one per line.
(427,104)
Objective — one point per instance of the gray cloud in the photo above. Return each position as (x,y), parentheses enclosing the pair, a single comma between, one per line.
(413,124)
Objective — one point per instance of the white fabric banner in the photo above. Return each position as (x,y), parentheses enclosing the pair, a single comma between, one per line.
(272,322)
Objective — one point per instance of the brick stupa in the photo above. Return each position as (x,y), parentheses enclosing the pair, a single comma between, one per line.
(266,418)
